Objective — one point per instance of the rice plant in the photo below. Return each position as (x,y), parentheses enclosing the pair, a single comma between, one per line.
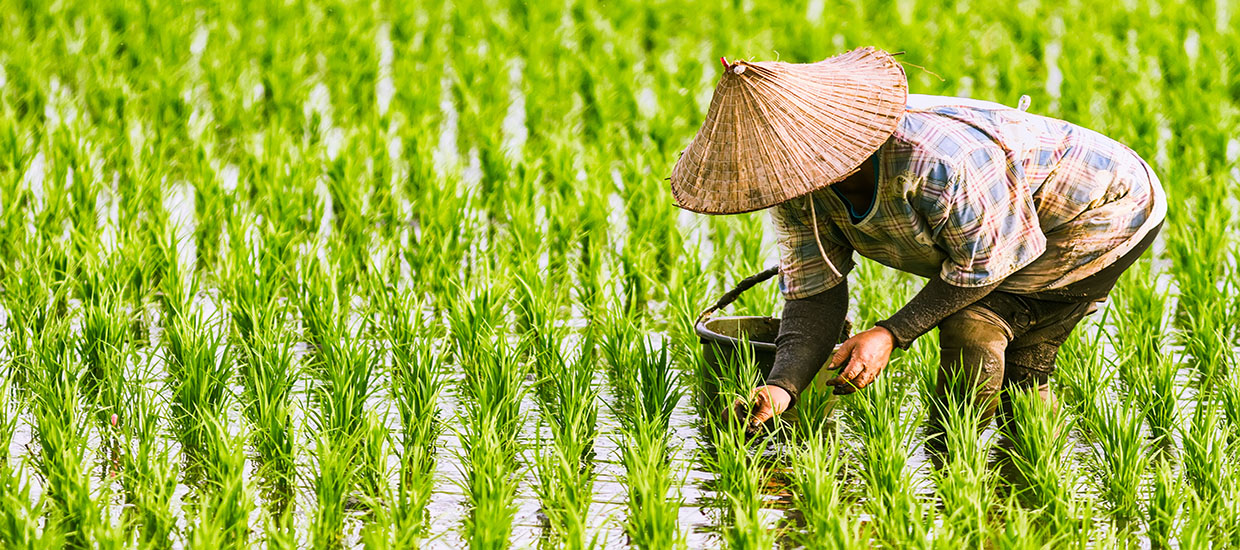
(816,471)
(62,428)
(1200,268)
(223,508)
(149,470)
(1209,475)
(565,462)
(19,514)
(1165,500)
(1147,368)
(647,392)
(104,351)
(737,459)
(492,417)
(1039,450)
(963,479)
(198,363)
(1121,456)
(876,419)
(268,372)
(417,376)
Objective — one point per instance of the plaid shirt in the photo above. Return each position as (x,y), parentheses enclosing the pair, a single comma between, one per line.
(979,193)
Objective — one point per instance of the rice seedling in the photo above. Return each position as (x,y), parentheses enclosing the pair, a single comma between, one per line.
(1201,277)
(268,372)
(1121,456)
(254,283)
(417,377)
(1200,526)
(333,483)
(647,390)
(570,409)
(1019,529)
(1165,500)
(19,514)
(30,300)
(63,440)
(149,472)
(738,459)
(963,479)
(1146,368)
(1039,451)
(198,364)
(493,387)
(1228,396)
(10,407)
(651,516)
(343,378)
(1139,312)
(816,468)
(1205,451)
(740,476)
(1082,377)
(884,430)
(223,509)
(103,349)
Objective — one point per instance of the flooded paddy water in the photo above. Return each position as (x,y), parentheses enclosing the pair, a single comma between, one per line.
(387,276)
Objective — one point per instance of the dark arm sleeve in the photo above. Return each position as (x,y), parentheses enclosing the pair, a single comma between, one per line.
(808,332)
(935,302)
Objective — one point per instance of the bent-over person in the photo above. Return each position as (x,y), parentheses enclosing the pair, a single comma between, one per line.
(1020,223)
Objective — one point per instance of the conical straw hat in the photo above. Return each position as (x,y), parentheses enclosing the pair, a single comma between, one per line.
(776,130)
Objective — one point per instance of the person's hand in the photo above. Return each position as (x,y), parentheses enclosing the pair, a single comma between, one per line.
(863,356)
(768,402)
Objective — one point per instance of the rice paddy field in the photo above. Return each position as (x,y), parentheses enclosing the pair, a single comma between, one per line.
(313,274)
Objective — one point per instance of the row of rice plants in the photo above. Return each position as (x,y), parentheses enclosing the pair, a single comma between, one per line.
(568,404)
(492,391)
(740,462)
(416,378)
(647,390)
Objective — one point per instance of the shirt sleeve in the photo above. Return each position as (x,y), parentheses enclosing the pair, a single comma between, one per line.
(802,270)
(988,225)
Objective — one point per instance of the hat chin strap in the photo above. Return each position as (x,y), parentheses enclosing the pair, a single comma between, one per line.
(818,239)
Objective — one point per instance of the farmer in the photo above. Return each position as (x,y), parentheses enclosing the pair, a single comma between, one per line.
(1021,223)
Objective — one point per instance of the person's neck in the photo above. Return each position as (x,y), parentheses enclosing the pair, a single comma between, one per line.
(861,181)
(859,188)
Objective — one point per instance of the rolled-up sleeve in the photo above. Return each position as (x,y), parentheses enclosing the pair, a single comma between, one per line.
(988,225)
(803,272)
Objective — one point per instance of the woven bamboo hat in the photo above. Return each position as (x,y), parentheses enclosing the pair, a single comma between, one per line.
(776,130)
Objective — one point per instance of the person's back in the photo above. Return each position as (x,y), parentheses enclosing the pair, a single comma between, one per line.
(1057,202)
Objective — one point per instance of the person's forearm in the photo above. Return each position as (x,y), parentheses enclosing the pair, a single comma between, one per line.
(808,331)
(935,302)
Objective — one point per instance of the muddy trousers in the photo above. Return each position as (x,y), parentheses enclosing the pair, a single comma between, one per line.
(1008,342)
(1001,351)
